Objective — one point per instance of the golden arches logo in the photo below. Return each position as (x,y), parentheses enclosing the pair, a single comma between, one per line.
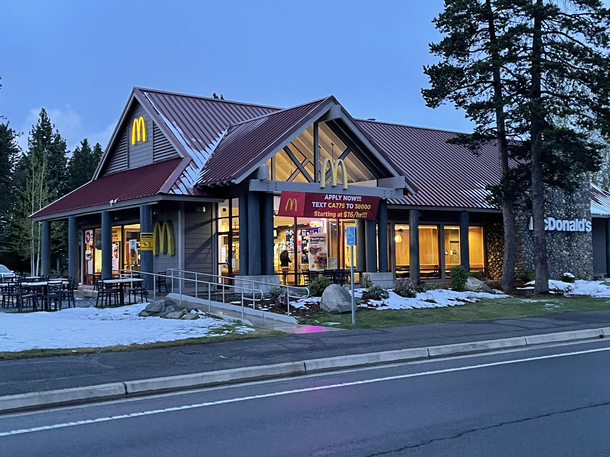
(334,167)
(163,238)
(138,128)
(291,205)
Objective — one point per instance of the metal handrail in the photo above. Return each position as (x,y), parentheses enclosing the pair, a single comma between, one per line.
(288,288)
(256,294)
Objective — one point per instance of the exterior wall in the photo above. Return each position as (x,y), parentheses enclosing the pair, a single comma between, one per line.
(600,267)
(567,251)
(198,241)
(494,241)
(156,148)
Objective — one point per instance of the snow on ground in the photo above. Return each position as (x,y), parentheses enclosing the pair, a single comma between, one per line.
(432,299)
(93,327)
(597,289)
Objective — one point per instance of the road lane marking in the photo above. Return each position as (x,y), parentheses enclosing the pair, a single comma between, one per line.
(287,392)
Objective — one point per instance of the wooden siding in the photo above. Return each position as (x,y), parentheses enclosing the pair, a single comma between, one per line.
(198,242)
(141,153)
(162,148)
(120,157)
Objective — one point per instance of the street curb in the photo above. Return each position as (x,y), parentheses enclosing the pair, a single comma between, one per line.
(90,394)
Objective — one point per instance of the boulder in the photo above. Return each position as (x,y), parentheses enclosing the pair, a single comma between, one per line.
(476,285)
(190,317)
(336,300)
(159,307)
(175,314)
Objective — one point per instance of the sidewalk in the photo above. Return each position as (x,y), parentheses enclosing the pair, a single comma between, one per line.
(52,373)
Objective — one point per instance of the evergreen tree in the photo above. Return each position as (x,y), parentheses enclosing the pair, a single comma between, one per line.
(8,157)
(39,180)
(539,67)
(81,165)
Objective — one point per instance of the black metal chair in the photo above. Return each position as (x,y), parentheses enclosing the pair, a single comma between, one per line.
(342,276)
(309,277)
(106,293)
(10,296)
(162,280)
(53,295)
(29,296)
(67,292)
(137,289)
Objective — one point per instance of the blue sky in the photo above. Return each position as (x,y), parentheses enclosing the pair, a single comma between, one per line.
(79,59)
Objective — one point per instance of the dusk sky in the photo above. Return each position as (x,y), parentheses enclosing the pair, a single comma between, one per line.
(80,59)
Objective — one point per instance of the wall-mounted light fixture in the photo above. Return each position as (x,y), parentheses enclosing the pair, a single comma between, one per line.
(201,209)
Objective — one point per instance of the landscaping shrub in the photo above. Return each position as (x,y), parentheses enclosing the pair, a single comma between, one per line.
(527,276)
(316,288)
(365,282)
(377,293)
(459,276)
(405,288)
(476,274)
(568,277)
(275,292)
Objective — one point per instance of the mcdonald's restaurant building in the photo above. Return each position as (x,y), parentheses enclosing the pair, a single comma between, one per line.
(252,191)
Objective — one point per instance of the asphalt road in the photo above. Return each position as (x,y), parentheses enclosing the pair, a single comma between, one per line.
(551,401)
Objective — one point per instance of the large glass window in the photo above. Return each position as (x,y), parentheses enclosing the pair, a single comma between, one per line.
(452,246)
(228,237)
(476,249)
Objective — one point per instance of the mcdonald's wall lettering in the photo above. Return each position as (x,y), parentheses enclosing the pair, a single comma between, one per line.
(163,238)
(330,206)
(138,130)
(334,168)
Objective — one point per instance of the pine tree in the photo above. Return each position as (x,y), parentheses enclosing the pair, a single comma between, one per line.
(544,76)
(81,166)
(8,157)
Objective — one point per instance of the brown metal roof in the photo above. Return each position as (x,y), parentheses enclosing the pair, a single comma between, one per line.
(600,201)
(445,175)
(127,185)
(249,142)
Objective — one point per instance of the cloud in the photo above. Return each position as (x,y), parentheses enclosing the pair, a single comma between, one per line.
(70,126)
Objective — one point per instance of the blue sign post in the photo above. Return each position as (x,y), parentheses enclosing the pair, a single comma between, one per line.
(350,240)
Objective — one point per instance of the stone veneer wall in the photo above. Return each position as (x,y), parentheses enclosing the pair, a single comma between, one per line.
(567,251)
(494,241)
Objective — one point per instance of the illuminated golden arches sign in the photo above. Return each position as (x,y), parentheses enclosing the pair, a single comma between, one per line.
(138,128)
(291,205)
(163,238)
(334,167)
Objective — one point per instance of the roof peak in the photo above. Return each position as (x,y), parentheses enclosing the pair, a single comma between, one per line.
(201,97)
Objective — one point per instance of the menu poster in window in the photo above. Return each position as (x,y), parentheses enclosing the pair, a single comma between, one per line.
(290,240)
(115,256)
(318,252)
(133,251)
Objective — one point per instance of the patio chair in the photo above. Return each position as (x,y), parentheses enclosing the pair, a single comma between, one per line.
(27,297)
(106,293)
(54,294)
(10,296)
(137,288)
(162,280)
(67,292)
(342,276)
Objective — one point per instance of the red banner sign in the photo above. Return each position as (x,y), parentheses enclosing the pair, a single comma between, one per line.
(328,206)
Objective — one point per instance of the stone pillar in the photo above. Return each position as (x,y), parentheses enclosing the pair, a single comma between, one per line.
(414,246)
(267,233)
(146,257)
(382,217)
(243,234)
(106,245)
(360,246)
(73,250)
(254,235)
(45,248)
(371,246)
(464,243)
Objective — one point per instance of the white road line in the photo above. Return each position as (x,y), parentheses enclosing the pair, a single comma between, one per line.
(287,392)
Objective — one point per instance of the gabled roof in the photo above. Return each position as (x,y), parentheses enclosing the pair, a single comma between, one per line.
(127,185)
(444,174)
(248,143)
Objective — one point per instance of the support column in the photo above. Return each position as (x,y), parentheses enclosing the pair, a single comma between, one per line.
(360,245)
(146,257)
(267,233)
(414,246)
(464,242)
(45,248)
(243,234)
(442,249)
(106,245)
(371,246)
(73,250)
(254,235)
(382,217)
